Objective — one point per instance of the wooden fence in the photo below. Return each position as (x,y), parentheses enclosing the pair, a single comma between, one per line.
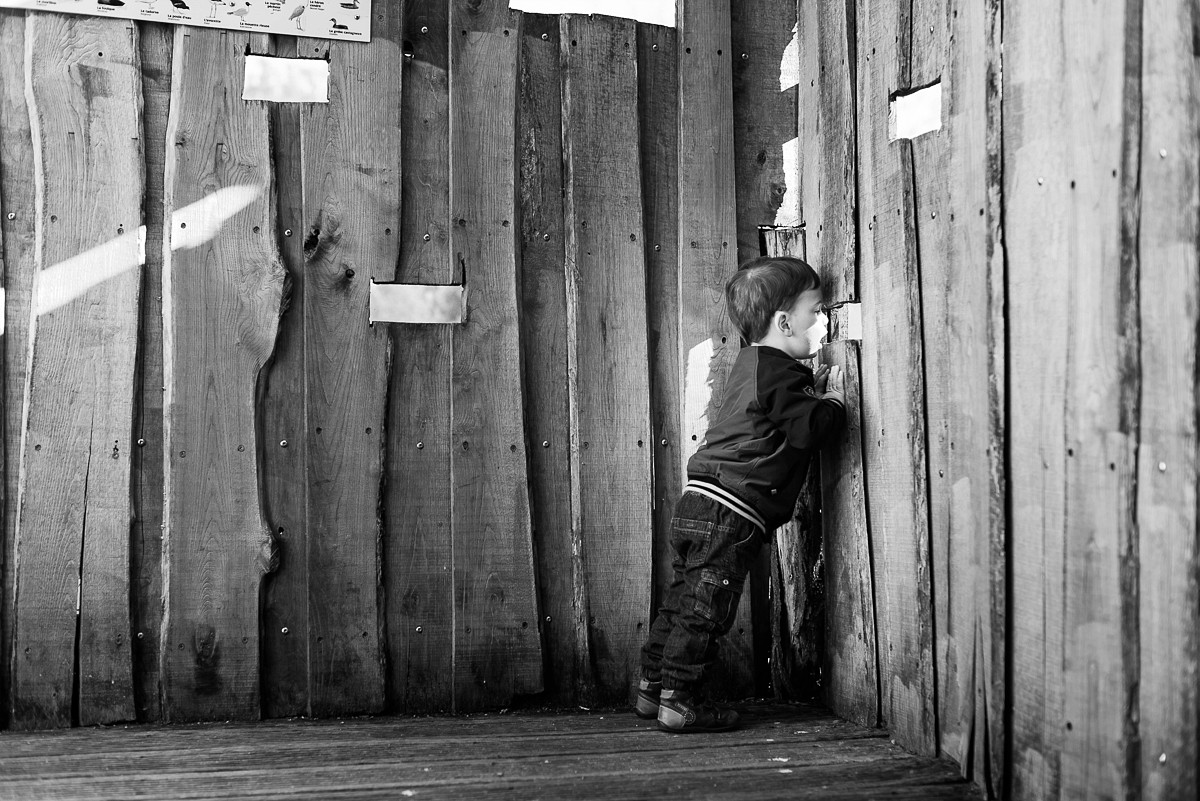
(332,517)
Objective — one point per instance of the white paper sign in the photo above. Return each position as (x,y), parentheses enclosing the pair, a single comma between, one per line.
(321,19)
(286,80)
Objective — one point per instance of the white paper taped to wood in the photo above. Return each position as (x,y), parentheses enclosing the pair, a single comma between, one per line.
(915,114)
(417,303)
(286,80)
(655,12)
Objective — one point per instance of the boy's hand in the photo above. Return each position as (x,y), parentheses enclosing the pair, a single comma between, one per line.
(834,386)
(821,378)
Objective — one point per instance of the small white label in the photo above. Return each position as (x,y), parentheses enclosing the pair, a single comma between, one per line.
(655,12)
(286,80)
(417,303)
(915,114)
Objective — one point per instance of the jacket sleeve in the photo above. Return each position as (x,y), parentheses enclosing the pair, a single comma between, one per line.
(791,402)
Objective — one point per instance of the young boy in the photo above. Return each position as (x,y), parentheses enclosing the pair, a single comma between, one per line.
(742,483)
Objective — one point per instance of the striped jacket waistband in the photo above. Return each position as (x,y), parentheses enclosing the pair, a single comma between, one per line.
(727,499)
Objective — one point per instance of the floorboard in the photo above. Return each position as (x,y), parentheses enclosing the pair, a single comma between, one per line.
(784,751)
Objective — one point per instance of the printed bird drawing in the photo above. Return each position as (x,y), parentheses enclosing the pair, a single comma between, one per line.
(296,12)
(338,27)
(241,12)
(351,5)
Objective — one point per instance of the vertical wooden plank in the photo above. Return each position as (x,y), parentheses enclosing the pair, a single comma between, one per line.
(222,298)
(797,603)
(544,334)
(893,388)
(964,370)
(496,649)
(766,65)
(606,285)
(282,404)
(71,636)
(1166,478)
(708,253)
(352,196)
(418,552)
(828,184)
(828,153)
(154,44)
(18,242)
(1071,462)
(658,123)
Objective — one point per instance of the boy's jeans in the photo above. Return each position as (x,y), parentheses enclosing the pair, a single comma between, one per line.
(713,549)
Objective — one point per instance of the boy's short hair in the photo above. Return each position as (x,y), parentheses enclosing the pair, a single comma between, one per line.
(763,286)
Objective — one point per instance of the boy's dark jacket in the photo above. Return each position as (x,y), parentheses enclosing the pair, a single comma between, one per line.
(770,422)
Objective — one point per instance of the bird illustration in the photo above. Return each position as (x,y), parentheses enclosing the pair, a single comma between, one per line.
(213,5)
(296,12)
(351,5)
(338,27)
(179,4)
(241,12)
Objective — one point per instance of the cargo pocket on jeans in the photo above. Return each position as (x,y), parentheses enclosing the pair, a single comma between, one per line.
(717,597)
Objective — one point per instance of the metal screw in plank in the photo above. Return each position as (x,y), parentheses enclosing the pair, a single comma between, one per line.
(283,443)
(424,29)
(418,629)
(12,215)
(420,446)
(287,232)
(1162,467)
(284,630)
(141,443)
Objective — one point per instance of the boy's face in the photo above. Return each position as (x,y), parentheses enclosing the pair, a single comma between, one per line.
(809,326)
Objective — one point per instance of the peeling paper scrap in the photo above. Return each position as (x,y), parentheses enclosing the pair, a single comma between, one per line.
(789,65)
(417,303)
(788,213)
(655,12)
(286,80)
(915,114)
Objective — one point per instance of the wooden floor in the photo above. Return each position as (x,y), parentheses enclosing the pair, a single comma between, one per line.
(784,751)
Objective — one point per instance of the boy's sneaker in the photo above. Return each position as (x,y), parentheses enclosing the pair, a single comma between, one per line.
(681,712)
(647,699)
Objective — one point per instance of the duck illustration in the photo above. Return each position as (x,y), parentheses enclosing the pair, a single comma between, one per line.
(179,4)
(338,27)
(296,12)
(353,4)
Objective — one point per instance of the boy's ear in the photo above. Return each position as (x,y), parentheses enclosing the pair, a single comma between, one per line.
(782,322)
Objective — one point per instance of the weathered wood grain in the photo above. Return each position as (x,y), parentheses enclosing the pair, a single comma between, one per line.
(1169,297)
(155,42)
(658,124)
(893,417)
(828,175)
(1071,454)
(827,161)
(282,402)
(606,285)
(222,301)
(418,550)
(544,334)
(708,343)
(17,238)
(352,231)
(964,366)
(765,62)
(784,752)
(497,651)
(71,633)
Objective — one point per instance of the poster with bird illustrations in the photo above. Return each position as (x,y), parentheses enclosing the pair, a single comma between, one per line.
(322,19)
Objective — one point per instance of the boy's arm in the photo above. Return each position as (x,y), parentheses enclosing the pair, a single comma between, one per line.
(806,418)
